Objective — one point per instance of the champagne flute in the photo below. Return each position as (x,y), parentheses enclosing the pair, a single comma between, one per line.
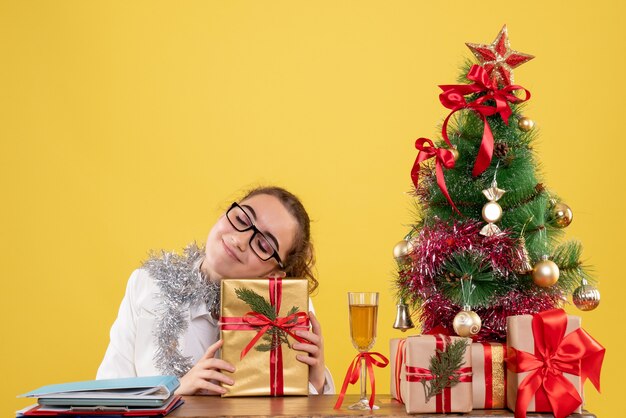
(363,316)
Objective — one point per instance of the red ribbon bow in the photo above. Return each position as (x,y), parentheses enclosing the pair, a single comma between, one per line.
(354,371)
(577,353)
(443,158)
(255,319)
(453,97)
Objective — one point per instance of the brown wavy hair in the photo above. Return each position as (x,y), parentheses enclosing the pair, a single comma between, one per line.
(301,258)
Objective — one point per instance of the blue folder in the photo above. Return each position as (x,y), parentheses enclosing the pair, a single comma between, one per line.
(129,391)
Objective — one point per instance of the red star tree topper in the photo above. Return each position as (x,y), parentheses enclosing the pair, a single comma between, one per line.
(499,59)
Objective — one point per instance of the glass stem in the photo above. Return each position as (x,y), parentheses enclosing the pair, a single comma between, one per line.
(363,380)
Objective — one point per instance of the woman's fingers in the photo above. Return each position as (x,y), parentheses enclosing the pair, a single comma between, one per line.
(216,363)
(309,348)
(311,361)
(308,335)
(216,376)
(315,324)
(210,352)
(212,388)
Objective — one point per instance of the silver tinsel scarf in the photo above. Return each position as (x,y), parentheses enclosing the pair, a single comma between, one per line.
(182,285)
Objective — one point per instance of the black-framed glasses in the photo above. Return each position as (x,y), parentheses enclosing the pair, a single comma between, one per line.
(261,246)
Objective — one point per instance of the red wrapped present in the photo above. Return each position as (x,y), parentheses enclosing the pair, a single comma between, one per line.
(549,358)
(489,375)
(431,387)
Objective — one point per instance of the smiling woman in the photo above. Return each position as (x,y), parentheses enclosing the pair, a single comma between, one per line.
(167,322)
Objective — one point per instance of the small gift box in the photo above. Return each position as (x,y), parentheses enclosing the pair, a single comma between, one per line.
(489,375)
(438,374)
(549,358)
(396,352)
(258,321)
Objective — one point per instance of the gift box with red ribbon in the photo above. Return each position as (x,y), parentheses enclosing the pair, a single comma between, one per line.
(259,318)
(549,358)
(426,384)
(489,375)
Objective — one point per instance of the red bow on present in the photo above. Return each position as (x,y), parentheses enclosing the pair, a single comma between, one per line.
(354,371)
(255,319)
(453,97)
(577,353)
(443,158)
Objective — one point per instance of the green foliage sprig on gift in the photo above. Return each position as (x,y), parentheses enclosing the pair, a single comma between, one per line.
(443,367)
(257,303)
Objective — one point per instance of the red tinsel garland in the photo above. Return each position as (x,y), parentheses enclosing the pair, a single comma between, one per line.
(436,243)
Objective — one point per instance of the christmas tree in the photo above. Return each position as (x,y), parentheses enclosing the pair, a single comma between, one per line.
(488,239)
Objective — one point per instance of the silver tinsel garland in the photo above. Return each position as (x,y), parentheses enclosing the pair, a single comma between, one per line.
(182,285)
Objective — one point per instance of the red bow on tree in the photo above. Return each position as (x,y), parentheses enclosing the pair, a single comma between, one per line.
(453,97)
(576,353)
(443,158)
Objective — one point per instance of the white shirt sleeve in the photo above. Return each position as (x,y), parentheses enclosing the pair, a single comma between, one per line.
(119,358)
(329,384)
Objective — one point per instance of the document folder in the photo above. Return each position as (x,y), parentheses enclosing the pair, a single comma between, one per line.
(153,391)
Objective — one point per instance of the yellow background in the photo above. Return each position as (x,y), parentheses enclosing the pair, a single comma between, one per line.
(127,126)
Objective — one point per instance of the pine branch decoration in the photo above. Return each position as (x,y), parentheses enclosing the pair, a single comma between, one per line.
(274,337)
(256,302)
(443,366)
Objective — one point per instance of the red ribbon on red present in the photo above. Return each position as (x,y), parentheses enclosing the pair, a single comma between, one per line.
(576,353)
(419,374)
(252,321)
(453,97)
(443,158)
(354,371)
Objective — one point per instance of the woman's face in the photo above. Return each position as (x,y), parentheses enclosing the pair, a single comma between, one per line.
(228,252)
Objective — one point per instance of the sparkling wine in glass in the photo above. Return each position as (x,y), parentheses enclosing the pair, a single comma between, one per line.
(363,315)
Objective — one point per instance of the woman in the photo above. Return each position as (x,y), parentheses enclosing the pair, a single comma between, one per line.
(167,322)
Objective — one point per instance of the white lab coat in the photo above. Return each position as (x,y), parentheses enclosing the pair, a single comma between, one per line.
(132,345)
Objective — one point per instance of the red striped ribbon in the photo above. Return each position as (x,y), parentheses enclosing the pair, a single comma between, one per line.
(398,368)
(488,375)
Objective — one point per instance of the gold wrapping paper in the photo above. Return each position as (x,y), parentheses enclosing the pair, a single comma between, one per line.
(396,363)
(418,351)
(489,379)
(252,374)
(519,335)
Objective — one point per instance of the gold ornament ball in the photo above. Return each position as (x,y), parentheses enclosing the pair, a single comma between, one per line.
(402,250)
(525,124)
(455,153)
(492,212)
(586,297)
(545,273)
(562,215)
(466,323)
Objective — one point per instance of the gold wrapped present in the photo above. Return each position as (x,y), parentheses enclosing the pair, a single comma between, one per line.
(259,318)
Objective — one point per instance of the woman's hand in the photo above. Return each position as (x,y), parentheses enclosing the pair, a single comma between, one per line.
(203,378)
(315,359)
